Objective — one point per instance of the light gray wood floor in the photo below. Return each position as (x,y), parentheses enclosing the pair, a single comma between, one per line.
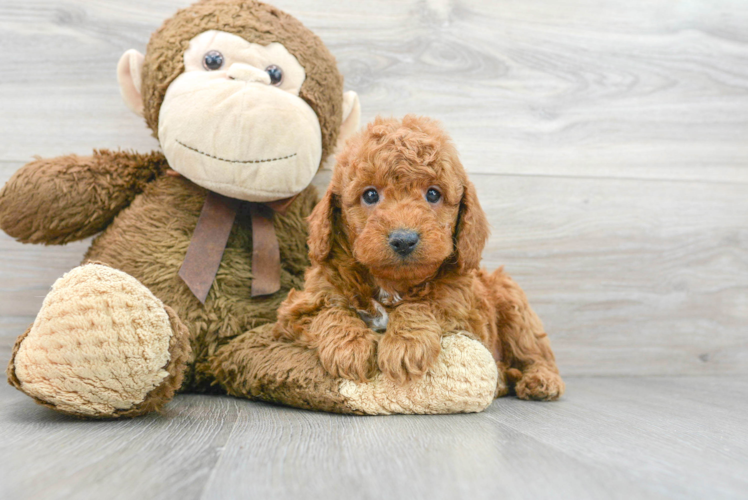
(645,437)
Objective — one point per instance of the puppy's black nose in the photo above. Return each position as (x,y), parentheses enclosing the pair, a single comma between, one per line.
(403,241)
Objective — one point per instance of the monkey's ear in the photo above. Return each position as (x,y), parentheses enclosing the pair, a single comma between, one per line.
(351,117)
(321,224)
(129,76)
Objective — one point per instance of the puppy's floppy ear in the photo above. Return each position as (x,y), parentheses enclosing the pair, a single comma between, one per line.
(472,230)
(321,223)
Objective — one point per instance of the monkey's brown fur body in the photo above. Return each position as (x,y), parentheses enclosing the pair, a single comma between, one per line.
(118,336)
(146,219)
(438,288)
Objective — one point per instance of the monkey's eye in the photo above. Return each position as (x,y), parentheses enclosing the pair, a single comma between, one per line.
(433,195)
(370,196)
(213,60)
(275,73)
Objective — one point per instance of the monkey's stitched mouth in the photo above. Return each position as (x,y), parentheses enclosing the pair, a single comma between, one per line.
(233,161)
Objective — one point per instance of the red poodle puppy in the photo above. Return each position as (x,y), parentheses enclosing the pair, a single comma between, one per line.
(395,246)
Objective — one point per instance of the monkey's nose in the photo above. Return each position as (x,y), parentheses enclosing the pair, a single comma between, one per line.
(247,73)
(404,241)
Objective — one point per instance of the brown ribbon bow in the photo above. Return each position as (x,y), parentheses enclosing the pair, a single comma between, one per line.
(211,234)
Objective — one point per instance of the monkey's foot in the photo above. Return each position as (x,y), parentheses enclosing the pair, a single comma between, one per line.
(464,379)
(102,346)
(255,365)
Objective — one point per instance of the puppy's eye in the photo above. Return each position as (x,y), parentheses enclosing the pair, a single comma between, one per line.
(212,60)
(370,196)
(433,195)
(275,73)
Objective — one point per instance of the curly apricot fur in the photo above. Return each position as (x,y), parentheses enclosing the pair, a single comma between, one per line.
(436,289)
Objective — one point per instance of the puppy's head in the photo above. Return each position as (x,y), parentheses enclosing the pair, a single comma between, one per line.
(400,204)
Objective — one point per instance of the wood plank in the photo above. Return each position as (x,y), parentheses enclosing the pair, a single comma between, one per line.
(290,454)
(644,437)
(676,437)
(46,455)
(608,438)
(653,89)
(629,276)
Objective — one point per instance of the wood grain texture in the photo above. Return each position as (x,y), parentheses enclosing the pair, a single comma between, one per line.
(676,437)
(48,455)
(650,89)
(607,140)
(630,276)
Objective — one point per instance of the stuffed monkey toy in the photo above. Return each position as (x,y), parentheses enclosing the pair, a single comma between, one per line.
(198,244)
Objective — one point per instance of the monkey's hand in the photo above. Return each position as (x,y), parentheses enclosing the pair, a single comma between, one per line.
(58,200)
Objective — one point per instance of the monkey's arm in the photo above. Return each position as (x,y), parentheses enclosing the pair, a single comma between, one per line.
(58,200)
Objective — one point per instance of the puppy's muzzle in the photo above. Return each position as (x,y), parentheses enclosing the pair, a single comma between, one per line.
(404,241)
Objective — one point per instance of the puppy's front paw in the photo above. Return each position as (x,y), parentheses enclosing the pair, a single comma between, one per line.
(407,358)
(540,384)
(350,355)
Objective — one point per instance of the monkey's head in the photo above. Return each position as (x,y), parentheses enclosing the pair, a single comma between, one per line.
(244,99)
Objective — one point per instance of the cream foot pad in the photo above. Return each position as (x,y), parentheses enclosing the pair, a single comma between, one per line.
(463,380)
(102,346)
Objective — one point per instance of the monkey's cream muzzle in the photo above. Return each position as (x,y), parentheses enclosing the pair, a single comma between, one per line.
(231,130)
(246,140)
